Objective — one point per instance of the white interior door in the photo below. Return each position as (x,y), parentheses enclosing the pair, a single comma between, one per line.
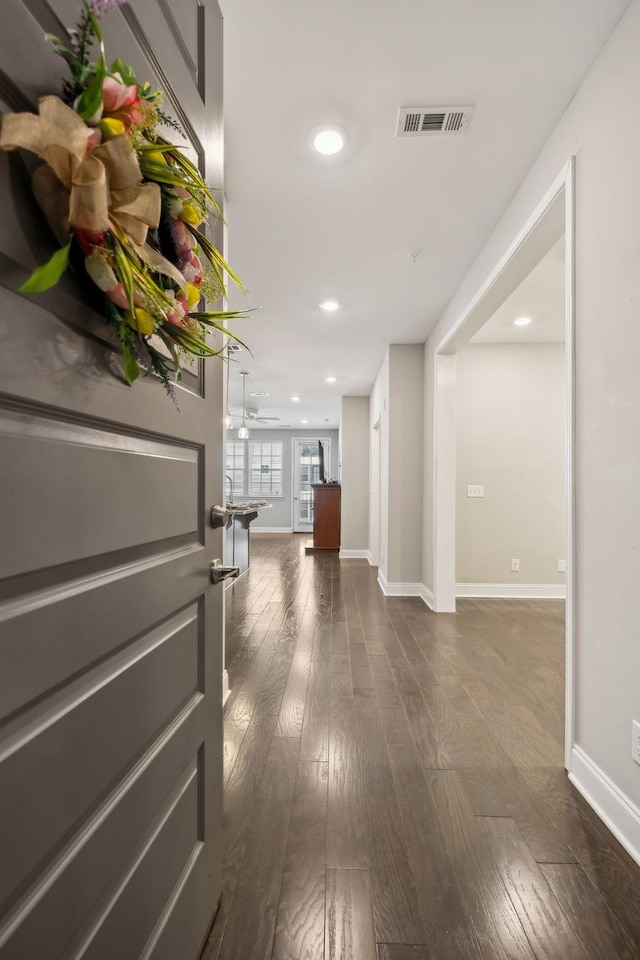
(306,470)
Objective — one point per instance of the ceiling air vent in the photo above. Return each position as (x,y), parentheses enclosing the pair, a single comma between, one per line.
(427,121)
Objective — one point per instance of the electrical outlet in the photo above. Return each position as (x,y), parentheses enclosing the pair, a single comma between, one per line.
(475,490)
(515,566)
(635,745)
(562,566)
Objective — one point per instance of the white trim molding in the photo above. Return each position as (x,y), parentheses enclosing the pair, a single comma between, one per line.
(271,530)
(520,591)
(347,554)
(613,806)
(405,590)
(428,597)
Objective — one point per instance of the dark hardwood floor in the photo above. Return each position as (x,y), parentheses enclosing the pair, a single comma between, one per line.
(394,782)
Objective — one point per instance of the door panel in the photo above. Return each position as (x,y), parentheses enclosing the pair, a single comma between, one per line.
(101,854)
(171,844)
(115,468)
(110,631)
(150,680)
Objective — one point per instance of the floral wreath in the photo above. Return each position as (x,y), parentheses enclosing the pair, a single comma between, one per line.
(127,206)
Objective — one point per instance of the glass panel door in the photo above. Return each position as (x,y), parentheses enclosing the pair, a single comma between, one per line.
(306,470)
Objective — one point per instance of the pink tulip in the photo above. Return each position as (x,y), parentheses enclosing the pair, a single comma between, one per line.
(118,296)
(176,315)
(131,116)
(191,268)
(182,239)
(94,138)
(116,94)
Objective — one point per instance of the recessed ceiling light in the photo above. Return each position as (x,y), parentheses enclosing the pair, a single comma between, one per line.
(522,321)
(295,399)
(328,138)
(329,305)
(304,421)
(330,379)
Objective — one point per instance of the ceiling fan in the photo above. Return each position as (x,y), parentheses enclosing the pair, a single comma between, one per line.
(254,414)
(251,415)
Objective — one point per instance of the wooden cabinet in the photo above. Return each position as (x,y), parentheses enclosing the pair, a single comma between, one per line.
(326,516)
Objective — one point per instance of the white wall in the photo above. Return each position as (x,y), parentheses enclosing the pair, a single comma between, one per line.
(279,516)
(379,500)
(510,437)
(354,442)
(396,403)
(406,417)
(596,129)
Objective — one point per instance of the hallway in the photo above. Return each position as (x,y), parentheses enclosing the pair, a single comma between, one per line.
(394,782)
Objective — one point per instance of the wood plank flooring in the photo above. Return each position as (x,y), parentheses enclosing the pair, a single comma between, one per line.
(394,782)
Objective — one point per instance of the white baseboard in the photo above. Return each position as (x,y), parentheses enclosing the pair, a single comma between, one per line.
(226,693)
(619,813)
(520,591)
(427,596)
(399,589)
(255,529)
(346,554)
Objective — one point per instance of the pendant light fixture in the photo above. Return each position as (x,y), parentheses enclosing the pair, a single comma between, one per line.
(243,432)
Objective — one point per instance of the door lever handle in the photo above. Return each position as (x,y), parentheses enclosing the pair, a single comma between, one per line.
(220,573)
(219,517)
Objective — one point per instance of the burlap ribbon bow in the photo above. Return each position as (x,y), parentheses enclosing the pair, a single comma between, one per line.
(93,191)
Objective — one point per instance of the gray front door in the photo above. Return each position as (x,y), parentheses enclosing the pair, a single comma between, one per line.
(110,631)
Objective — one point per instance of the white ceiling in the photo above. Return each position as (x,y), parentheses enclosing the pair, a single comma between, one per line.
(303,227)
(540,296)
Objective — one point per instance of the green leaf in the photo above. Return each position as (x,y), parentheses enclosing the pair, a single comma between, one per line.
(91,99)
(160,172)
(155,147)
(171,347)
(216,259)
(61,48)
(222,329)
(91,17)
(125,70)
(205,315)
(46,276)
(130,363)
(189,341)
(124,272)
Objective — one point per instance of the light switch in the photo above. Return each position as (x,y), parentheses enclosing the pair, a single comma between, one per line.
(475,490)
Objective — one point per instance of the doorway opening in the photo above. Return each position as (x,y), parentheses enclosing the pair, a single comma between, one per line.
(553,218)
(309,457)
